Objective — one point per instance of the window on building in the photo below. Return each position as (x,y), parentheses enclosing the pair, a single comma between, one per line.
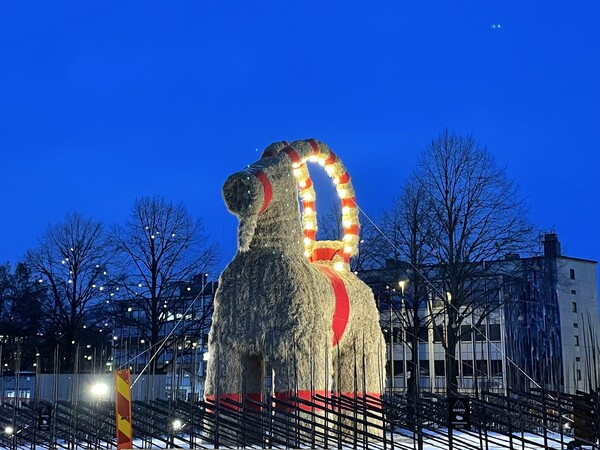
(495,332)
(424,365)
(577,358)
(575,325)
(465,331)
(398,367)
(574,306)
(480,333)
(579,374)
(439,368)
(482,368)
(572,273)
(573,291)
(423,334)
(467,369)
(438,333)
(576,340)
(496,367)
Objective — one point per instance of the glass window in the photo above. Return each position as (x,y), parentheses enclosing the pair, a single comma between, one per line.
(465,331)
(439,368)
(495,332)
(496,366)
(480,333)
(467,368)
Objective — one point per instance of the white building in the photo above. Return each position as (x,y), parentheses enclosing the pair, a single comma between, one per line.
(544,330)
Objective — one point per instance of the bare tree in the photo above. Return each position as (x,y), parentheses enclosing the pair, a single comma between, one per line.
(477,217)
(409,254)
(160,247)
(71,262)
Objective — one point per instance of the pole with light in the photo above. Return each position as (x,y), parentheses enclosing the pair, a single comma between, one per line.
(404,321)
(391,339)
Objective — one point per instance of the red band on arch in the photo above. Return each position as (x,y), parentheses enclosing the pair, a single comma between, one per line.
(344,178)
(292,154)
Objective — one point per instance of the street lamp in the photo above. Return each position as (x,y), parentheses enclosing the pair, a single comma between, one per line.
(391,339)
(402,284)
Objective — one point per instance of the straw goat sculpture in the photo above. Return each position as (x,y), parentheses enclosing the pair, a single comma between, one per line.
(286,304)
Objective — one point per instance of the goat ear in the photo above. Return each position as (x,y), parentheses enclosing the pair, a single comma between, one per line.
(246,229)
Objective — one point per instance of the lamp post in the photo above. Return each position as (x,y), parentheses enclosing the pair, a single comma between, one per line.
(98,390)
(391,339)
(402,285)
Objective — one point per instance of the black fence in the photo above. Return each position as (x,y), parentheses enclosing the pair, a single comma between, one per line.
(533,420)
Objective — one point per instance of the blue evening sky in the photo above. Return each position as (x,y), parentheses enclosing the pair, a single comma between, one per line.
(105,101)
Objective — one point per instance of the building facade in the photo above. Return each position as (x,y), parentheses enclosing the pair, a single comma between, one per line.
(537,325)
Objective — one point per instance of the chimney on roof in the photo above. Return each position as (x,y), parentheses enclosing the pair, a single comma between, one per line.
(551,246)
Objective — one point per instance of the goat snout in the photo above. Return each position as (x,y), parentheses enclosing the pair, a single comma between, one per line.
(247,192)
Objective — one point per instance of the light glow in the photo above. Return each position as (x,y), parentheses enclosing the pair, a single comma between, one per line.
(98,389)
